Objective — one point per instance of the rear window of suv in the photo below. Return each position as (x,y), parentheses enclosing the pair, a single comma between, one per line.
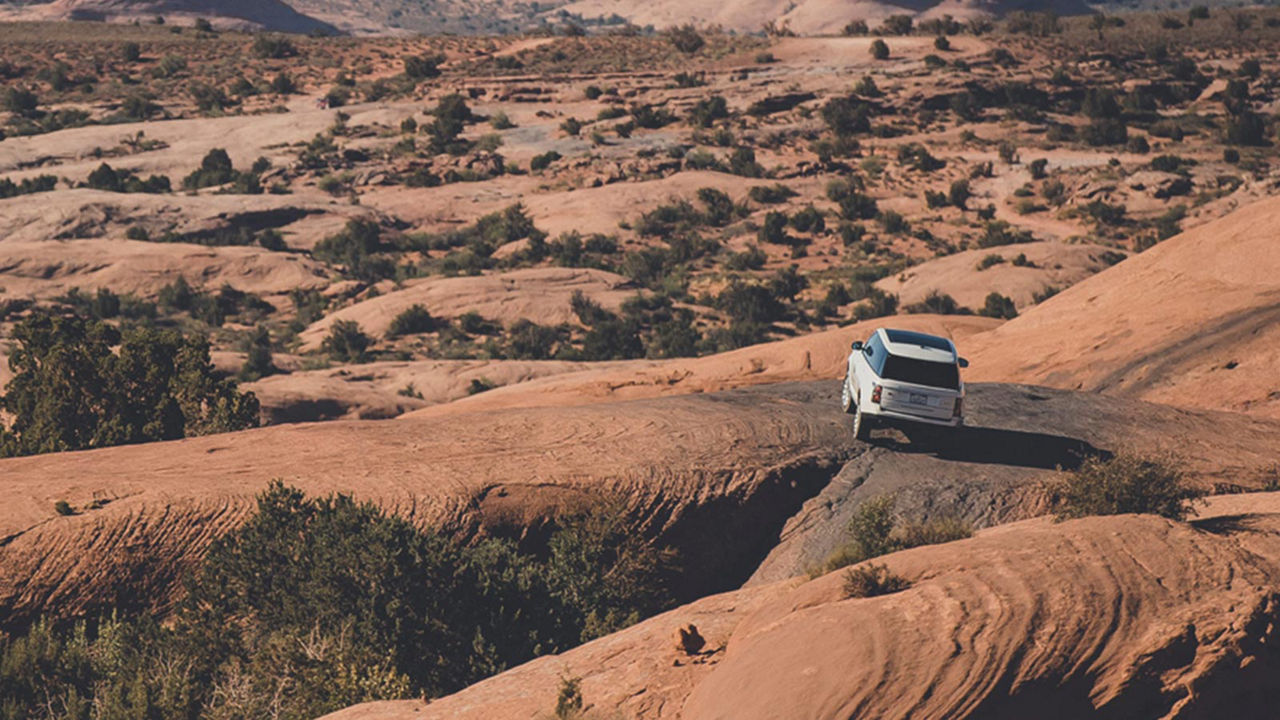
(921,372)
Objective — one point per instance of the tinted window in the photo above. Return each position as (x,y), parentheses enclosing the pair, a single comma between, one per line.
(907,337)
(875,352)
(921,372)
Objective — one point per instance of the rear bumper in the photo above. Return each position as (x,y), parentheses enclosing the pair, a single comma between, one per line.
(889,418)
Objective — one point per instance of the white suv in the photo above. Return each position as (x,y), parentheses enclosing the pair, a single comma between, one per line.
(906,379)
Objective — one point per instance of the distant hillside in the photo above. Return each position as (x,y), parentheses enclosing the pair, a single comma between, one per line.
(229,14)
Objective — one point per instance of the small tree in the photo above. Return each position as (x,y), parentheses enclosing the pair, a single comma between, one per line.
(346,342)
(413,320)
(880,49)
(686,38)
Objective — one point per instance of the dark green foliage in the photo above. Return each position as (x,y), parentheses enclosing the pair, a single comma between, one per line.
(317,604)
(774,228)
(875,530)
(999,232)
(872,580)
(917,156)
(847,116)
(70,391)
(999,306)
(1246,128)
(706,111)
(358,248)
(21,101)
(62,507)
(1105,213)
(108,178)
(878,304)
(959,193)
(1126,483)
(897,25)
(257,362)
(569,699)
(541,162)
(346,342)
(273,46)
(41,183)
(880,49)
(130,52)
(743,162)
(809,219)
(527,340)
(720,208)
(938,304)
(854,204)
(421,67)
(413,320)
(771,194)
(686,38)
(215,169)
(1108,131)
(893,222)
(748,303)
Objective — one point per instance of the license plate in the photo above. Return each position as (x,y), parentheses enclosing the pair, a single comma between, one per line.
(918,399)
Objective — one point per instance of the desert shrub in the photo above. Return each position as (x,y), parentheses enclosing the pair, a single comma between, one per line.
(847,116)
(875,530)
(21,101)
(411,321)
(771,194)
(1105,131)
(749,303)
(708,110)
(543,161)
(422,67)
(774,228)
(988,261)
(893,222)
(878,303)
(1104,213)
(130,52)
(215,169)
(686,38)
(28,186)
(358,249)
(880,49)
(283,84)
(935,199)
(753,258)
(998,306)
(273,47)
(917,156)
(808,219)
(720,210)
(897,25)
(959,193)
(941,43)
(855,27)
(81,384)
(258,361)
(742,161)
(1138,145)
(346,342)
(937,303)
(1245,128)
(124,181)
(999,232)
(1126,483)
(872,580)
(571,126)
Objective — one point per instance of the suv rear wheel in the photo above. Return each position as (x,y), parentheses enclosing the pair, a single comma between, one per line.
(861,424)
(846,397)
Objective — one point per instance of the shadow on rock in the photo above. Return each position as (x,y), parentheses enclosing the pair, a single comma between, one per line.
(995,446)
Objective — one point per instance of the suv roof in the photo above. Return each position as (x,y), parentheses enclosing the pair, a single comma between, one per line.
(905,343)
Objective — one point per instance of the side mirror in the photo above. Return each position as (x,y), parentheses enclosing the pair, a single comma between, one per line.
(963,363)
(857,345)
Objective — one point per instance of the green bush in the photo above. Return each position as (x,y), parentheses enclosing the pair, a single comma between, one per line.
(875,530)
(413,320)
(543,161)
(62,507)
(1126,483)
(421,67)
(83,384)
(359,249)
(273,46)
(880,49)
(346,342)
(872,580)
(998,306)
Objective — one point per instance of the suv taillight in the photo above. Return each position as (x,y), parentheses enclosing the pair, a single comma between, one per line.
(959,407)
(875,394)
